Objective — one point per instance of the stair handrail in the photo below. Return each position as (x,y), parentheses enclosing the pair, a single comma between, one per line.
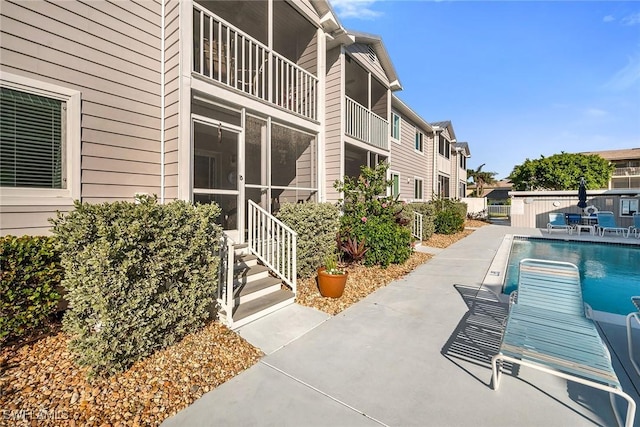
(273,243)
(416,229)
(225,277)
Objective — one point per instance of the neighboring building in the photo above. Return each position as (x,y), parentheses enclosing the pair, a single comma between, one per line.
(627,167)
(209,101)
(497,192)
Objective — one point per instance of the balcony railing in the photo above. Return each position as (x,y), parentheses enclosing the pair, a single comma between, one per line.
(630,171)
(363,124)
(225,54)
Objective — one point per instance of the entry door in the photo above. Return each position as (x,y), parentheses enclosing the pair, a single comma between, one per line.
(215,171)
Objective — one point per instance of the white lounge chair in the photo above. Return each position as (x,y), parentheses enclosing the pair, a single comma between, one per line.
(548,329)
(557,222)
(635,228)
(607,222)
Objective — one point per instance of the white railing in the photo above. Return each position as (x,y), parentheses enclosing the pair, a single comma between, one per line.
(629,171)
(273,243)
(363,124)
(495,211)
(224,53)
(416,229)
(226,278)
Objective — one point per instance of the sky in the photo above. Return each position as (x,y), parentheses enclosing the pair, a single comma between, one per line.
(517,79)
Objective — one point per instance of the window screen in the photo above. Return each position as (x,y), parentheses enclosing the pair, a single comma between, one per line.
(31,139)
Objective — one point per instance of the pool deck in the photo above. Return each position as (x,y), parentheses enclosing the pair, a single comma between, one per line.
(407,355)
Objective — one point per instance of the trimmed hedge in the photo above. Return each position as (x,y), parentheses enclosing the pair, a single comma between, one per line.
(30,273)
(449,215)
(317,225)
(139,277)
(428,215)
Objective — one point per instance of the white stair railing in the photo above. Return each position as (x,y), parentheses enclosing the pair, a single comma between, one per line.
(225,278)
(273,243)
(416,229)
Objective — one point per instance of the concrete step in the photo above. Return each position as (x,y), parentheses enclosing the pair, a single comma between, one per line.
(245,260)
(248,274)
(252,310)
(256,289)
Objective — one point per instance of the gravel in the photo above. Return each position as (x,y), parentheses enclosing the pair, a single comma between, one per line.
(41,385)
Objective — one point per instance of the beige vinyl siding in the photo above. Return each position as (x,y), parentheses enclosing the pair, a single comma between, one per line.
(110,52)
(407,162)
(309,58)
(333,120)
(360,52)
(28,220)
(172,98)
(430,152)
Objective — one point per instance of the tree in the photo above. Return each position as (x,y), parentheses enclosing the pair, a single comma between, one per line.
(562,172)
(480,179)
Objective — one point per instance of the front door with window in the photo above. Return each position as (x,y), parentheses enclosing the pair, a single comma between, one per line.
(216,173)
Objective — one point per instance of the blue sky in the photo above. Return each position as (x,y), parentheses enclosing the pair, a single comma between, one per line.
(518,79)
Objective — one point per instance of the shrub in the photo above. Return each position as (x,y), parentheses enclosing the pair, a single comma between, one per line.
(386,242)
(316,225)
(428,216)
(449,222)
(139,277)
(372,216)
(30,274)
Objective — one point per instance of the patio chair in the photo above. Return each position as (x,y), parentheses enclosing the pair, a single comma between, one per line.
(557,222)
(636,225)
(633,315)
(547,329)
(607,222)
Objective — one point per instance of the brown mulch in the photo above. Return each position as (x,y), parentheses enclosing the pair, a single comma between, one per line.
(41,385)
(361,282)
(39,382)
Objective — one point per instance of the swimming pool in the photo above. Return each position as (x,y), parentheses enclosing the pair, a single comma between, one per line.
(610,273)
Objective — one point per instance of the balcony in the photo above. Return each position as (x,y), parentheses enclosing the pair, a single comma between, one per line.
(366,126)
(629,171)
(227,55)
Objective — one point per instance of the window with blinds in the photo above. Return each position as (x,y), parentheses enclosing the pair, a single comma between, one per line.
(31,140)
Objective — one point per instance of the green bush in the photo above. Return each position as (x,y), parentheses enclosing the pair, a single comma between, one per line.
(386,241)
(371,215)
(449,222)
(317,226)
(30,274)
(428,216)
(138,277)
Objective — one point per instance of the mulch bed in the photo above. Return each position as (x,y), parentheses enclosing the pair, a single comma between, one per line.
(41,385)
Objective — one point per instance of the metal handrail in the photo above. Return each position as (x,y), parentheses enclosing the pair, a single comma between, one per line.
(273,243)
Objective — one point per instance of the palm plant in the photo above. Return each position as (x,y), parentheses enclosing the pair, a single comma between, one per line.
(480,179)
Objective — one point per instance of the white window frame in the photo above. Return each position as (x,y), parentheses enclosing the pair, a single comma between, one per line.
(418,197)
(15,196)
(421,150)
(393,138)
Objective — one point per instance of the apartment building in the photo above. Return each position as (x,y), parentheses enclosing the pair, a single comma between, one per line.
(210,101)
(627,167)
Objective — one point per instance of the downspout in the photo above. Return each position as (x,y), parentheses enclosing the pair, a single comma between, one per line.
(162,112)
(434,181)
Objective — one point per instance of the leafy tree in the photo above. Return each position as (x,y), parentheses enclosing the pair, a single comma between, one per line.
(562,172)
(480,179)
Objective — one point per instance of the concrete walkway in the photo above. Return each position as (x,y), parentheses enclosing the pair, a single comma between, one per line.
(407,355)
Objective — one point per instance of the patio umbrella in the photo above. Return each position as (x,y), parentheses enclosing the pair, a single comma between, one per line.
(582,195)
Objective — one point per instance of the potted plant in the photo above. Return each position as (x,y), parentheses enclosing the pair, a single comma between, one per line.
(331,278)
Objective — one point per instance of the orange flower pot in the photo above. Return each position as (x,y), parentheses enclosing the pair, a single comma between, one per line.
(331,285)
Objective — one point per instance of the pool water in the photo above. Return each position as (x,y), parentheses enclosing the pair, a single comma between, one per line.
(610,273)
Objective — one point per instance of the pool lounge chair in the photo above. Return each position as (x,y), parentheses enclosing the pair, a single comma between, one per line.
(607,222)
(635,228)
(547,329)
(557,222)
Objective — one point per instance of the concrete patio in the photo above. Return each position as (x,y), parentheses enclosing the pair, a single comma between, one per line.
(412,353)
